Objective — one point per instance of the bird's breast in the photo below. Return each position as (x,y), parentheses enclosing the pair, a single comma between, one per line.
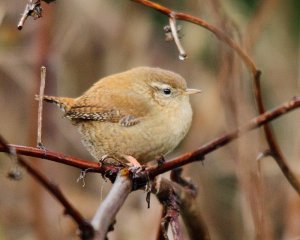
(155,135)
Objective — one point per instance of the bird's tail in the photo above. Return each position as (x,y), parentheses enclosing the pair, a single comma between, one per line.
(63,103)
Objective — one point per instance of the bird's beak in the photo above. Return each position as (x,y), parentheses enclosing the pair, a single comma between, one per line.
(190,91)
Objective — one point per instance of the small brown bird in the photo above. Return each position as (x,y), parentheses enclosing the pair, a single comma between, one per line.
(134,116)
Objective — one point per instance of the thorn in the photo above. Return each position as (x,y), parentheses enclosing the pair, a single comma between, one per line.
(160,161)
(264,154)
(148,198)
(83,175)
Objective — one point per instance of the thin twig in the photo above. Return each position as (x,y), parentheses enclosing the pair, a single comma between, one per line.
(32,9)
(86,229)
(182,53)
(198,21)
(108,209)
(198,155)
(40,108)
(273,145)
(279,157)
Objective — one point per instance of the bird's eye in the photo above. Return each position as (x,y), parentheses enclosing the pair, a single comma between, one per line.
(167,91)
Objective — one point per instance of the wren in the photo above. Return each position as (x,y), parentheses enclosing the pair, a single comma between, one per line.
(134,116)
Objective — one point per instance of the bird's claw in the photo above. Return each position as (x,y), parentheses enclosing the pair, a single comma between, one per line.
(103,158)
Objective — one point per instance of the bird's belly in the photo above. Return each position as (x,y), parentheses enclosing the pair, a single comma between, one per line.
(144,141)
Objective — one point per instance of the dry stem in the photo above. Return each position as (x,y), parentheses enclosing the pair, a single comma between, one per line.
(40,108)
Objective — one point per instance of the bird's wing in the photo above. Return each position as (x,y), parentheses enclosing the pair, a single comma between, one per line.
(125,108)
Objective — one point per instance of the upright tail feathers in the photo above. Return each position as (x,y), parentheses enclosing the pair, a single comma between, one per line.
(63,103)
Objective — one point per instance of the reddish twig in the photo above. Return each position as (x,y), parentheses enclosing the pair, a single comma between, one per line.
(198,21)
(86,229)
(177,198)
(274,147)
(111,171)
(171,206)
(209,147)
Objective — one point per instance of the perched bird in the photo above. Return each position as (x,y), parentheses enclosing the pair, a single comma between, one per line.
(134,116)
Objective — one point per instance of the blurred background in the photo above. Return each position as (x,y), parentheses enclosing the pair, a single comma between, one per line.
(81,41)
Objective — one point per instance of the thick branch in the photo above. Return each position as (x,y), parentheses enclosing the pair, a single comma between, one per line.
(108,209)
(189,209)
(87,231)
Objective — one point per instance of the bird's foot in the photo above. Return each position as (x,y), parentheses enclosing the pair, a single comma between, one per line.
(103,158)
(133,164)
(108,159)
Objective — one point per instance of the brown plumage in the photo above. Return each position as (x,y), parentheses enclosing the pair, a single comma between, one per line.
(143,113)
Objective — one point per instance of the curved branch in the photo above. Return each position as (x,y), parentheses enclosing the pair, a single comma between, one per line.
(198,21)
(141,178)
(86,229)
(274,147)
(209,147)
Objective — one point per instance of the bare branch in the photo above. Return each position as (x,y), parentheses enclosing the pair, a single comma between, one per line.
(198,155)
(186,200)
(279,157)
(86,229)
(32,9)
(40,108)
(108,209)
(171,204)
(272,142)
(198,21)
(111,171)
(182,53)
